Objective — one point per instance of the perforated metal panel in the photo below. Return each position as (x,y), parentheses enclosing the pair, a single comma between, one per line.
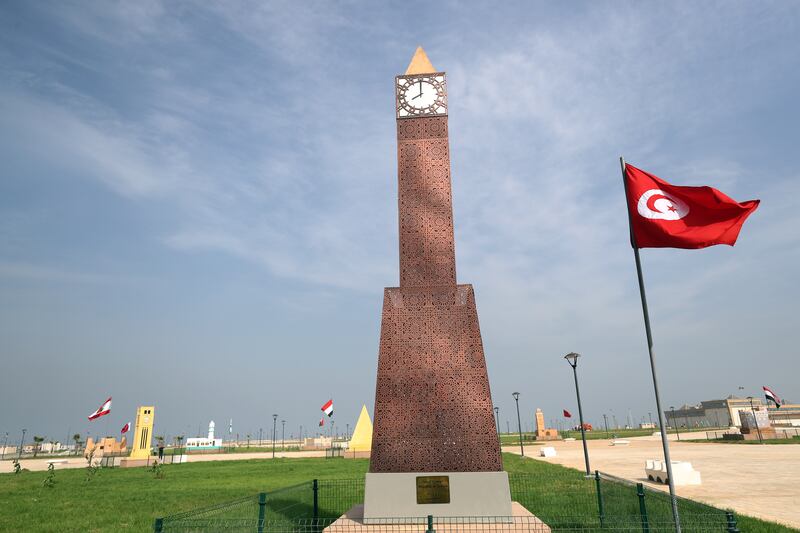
(433,409)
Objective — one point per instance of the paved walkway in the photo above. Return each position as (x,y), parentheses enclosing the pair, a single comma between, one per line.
(79,462)
(761,481)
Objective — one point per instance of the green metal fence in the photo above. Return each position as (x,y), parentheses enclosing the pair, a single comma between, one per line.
(599,504)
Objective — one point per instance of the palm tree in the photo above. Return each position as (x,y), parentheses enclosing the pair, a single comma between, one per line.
(77,438)
(37,444)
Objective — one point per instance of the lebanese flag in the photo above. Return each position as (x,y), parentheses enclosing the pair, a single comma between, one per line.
(772,397)
(103,410)
(328,408)
(322,421)
(125,428)
(567,414)
(663,215)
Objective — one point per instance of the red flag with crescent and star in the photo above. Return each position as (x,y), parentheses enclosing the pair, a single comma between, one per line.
(567,414)
(663,215)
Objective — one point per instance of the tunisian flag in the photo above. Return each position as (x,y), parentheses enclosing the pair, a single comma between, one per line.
(567,414)
(670,216)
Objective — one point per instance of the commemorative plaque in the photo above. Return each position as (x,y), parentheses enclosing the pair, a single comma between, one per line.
(433,489)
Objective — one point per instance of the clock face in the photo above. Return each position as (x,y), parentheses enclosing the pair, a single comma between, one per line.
(421,95)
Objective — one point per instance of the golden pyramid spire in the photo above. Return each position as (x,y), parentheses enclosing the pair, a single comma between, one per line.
(420,64)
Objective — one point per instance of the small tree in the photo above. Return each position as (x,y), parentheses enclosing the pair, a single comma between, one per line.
(178,440)
(37,440)
(77,438)
(50,480)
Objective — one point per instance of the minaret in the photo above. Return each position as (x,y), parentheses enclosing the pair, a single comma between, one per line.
(433,408)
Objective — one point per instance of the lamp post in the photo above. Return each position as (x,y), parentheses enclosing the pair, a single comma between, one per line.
(21,444)
(671,408)
(519,424)
(605,422)
(572,359)
(650,416)
(260,431)
(497,421)
(5,443)
(274,423)
(283,435)
(758,429)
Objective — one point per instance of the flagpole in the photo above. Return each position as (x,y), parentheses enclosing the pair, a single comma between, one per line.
(645,312)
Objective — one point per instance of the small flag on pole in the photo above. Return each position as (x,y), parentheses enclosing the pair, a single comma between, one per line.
(328,408)
(102,410)
(322,421)
(125,428)
(663,215)
(772,397)
(567,414)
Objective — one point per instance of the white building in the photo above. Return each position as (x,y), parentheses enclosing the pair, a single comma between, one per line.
(207,443)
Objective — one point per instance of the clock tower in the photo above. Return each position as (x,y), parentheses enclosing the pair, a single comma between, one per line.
(435,449)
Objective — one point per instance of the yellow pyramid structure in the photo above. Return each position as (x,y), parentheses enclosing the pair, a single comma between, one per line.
(361,441)
(420,64)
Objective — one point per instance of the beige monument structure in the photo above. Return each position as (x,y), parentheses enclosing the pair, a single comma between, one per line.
(142,437)
(542,431)
(361,442)
(104,447)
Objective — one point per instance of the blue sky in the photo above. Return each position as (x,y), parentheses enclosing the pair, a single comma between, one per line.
(198,202)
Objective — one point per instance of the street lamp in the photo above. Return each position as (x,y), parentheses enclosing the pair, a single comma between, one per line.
(605,422)
(758,429)
(260,432)
(673,422)
(519,424)
(497,421)
(283,435)
(5,443)
(274,423)
(572,359)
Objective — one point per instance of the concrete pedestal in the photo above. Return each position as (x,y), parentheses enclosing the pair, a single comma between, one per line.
(474,494)
(520,520)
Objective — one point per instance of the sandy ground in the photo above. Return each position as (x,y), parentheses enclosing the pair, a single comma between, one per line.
(79,462)
(761,481)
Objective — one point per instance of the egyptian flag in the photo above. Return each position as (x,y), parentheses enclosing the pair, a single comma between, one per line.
(328,408)
(567,414)
(772,397)
(125,428)
(322,421)
(103,410)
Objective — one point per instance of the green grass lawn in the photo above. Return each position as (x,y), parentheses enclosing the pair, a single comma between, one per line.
(130,499)
(508,439)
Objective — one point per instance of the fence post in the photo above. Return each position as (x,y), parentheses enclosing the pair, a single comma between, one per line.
(731,522)
(315,488)
(600,507)
(158,526)
(642,508)
(262,510)
(430,524)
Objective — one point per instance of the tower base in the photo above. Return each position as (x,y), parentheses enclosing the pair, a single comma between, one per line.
(441,494)
(520,521)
